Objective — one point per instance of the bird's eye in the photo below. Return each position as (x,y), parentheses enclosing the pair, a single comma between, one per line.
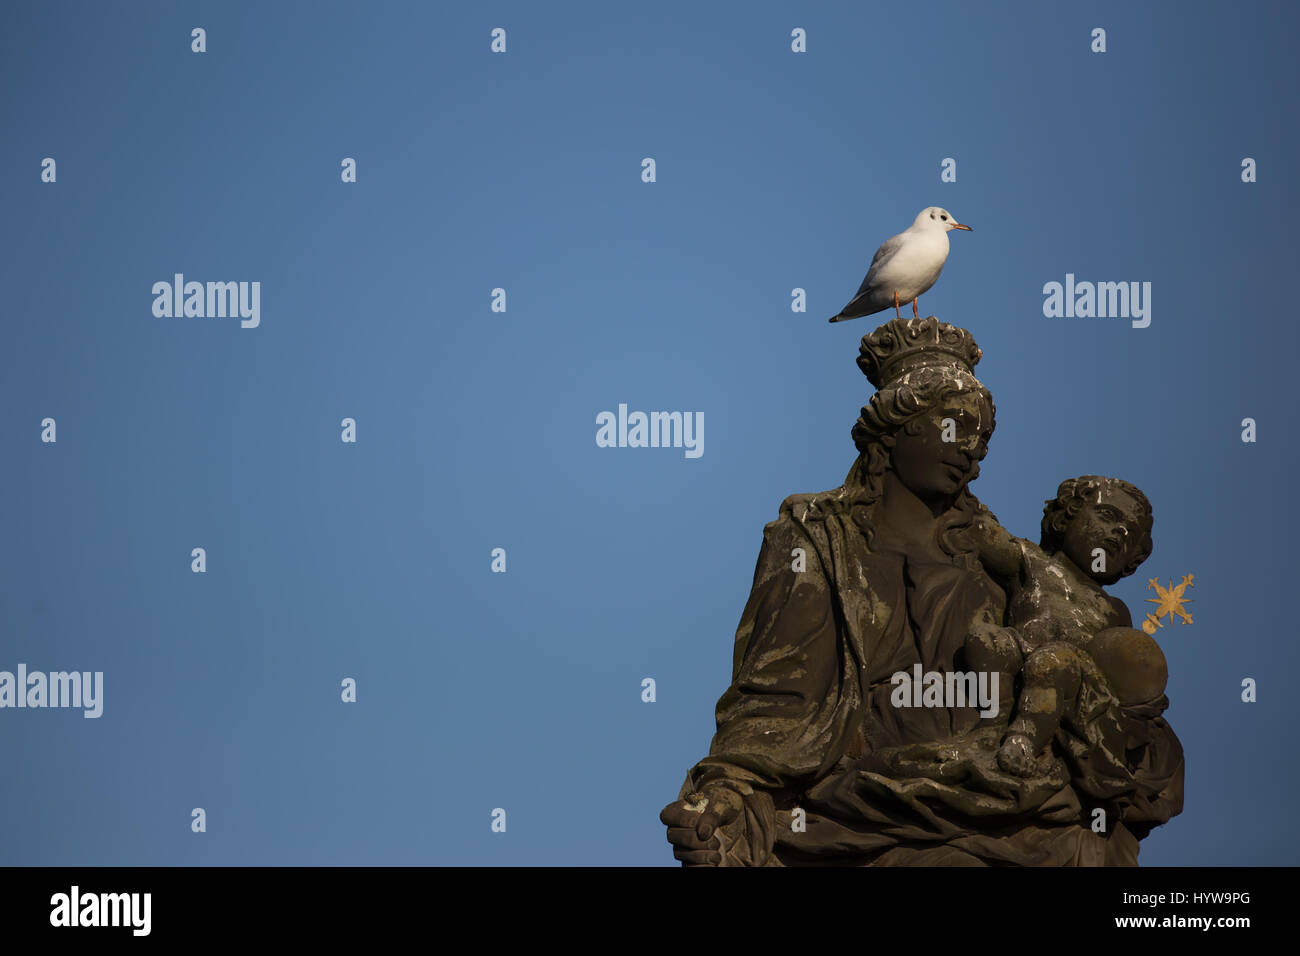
(944,218)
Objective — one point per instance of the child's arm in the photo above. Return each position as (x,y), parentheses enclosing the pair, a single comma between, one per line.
(1120,616)
(999,552)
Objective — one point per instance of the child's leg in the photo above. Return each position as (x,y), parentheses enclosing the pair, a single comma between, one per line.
(1051,680)
(995,650)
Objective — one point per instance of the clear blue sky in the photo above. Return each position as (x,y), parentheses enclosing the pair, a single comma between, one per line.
(476,429)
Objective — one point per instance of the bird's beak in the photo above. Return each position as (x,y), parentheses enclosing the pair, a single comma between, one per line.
(957,225)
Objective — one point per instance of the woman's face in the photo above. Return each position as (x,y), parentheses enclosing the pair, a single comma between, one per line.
(936,453)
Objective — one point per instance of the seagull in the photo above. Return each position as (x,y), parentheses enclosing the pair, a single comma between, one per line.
(905,266)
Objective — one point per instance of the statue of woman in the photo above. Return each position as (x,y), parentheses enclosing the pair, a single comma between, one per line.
(817,759)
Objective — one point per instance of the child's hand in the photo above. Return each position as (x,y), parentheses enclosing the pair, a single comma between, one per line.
(993,648)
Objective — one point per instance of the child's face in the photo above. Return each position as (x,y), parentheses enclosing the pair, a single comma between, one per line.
(1108,522)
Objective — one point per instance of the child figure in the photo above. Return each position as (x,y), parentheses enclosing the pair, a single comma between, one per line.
(1096,531)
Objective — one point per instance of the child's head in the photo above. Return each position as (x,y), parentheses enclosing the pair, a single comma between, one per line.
(1090,513)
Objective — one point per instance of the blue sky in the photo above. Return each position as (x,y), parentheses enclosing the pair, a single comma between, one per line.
(476,429)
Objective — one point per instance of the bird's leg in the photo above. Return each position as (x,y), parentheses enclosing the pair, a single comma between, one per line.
(896,315)
(915,314)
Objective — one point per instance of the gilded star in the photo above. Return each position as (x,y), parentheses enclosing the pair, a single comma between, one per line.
(1169,601)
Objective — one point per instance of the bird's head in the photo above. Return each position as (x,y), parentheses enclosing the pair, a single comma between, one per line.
(934,217)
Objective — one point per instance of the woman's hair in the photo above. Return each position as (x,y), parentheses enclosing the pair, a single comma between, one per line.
(900,405)
(1070,498)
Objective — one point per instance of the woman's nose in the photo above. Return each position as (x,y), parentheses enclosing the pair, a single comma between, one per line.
(973,447)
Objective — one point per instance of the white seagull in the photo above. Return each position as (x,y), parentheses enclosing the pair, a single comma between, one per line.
(905,266)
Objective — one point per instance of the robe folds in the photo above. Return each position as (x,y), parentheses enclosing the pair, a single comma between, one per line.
(807,724)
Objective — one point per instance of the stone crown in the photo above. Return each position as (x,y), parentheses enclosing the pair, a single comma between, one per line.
(902,345)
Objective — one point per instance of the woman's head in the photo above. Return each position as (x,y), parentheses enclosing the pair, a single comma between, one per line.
(931,427)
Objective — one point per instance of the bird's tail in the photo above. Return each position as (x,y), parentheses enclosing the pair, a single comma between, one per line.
(841,317)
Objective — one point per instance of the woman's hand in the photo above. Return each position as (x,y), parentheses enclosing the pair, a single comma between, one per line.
(693,825)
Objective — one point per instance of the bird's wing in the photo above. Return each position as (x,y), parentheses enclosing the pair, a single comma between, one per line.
(883,255)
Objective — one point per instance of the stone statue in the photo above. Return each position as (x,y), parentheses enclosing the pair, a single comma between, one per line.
(853,733)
